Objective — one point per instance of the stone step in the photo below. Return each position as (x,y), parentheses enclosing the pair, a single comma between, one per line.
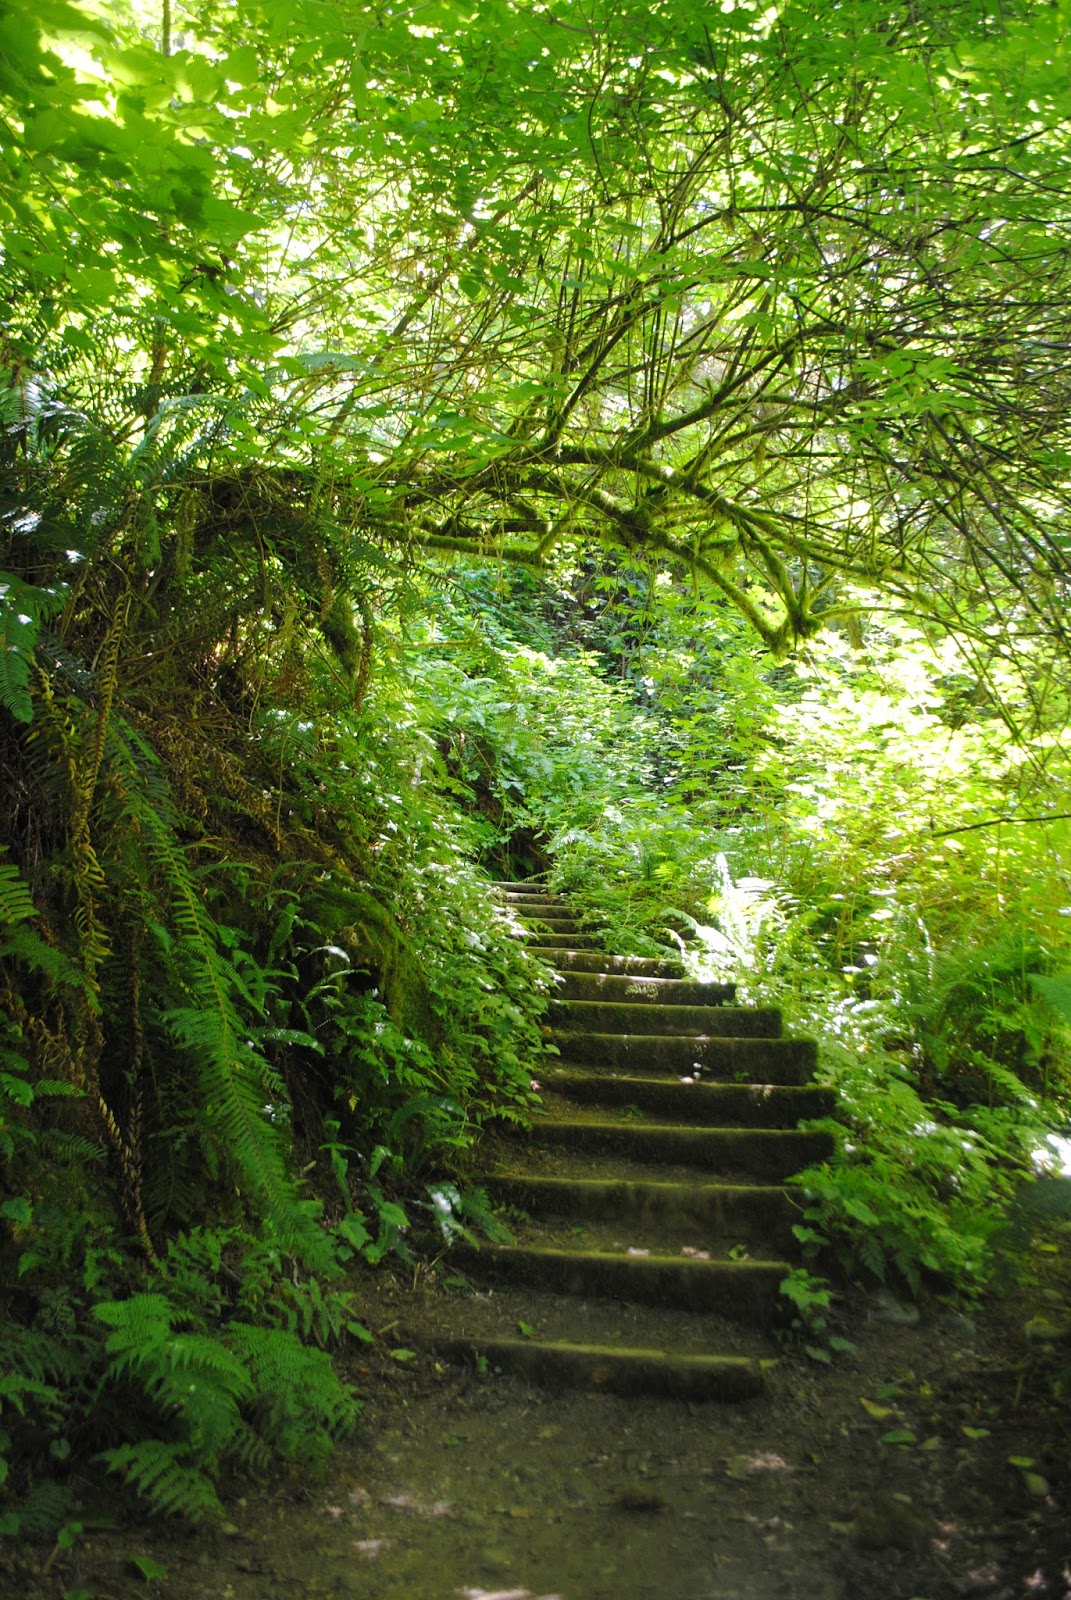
(624,1236)
(639,989)
(748,1060)
(614,1369)
(532,901)
(753,1105)
(726,1208)
(563,941)
(602,961)
(553,922)
(774,1153)
(740,1291)
(525,886)
(604,1016)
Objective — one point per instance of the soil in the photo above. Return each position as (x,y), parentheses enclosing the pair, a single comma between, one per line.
(931,1462)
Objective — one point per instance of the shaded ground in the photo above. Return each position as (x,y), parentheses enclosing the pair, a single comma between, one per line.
(471,1484)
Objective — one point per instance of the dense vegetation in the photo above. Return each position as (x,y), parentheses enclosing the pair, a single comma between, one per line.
(628,443)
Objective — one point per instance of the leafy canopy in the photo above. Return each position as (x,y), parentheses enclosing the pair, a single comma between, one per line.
(773,292)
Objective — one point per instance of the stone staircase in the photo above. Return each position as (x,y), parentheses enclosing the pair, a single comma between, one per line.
(654,1221)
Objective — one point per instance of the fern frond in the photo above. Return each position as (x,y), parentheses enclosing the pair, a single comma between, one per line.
(162,1473)
(16,1389)
(237,1083)
(303,1404)
(16,902)
(23,607)
(25,945)
(47,1506)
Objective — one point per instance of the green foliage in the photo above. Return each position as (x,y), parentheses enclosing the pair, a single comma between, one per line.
(222,1360)
(349,297)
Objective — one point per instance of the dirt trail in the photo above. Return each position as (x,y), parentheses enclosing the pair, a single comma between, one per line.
(459,1484)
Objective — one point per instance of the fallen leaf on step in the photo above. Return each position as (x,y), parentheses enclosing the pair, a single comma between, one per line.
(633,1250)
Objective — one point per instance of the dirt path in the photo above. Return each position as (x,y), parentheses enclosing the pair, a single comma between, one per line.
(467,1485)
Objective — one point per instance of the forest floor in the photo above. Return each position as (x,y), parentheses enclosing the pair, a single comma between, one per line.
(933,1462)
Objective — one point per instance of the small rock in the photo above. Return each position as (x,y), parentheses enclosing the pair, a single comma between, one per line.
(956,1323)
(890,1525)
(888,1309)
(1045,1330)
(638,1497)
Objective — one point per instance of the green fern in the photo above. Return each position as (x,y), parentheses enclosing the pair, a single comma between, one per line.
(163,1473)
(1056,990)
(236,1080)
(238,1392)
(193,1378)
(303,1405)
(16,902)
(23,608)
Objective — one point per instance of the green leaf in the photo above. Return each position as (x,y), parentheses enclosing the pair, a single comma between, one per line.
(148,1568)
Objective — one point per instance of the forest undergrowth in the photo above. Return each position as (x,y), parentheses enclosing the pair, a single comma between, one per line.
(437,451)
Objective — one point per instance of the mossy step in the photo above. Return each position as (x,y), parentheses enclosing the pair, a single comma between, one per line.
(533,901)
(562,941)
(523,886)
(756,1105)
(741,1291)
(602,961)
(753,1060)
(775,1153)
(614,1370)
(638,989)
(627,1236)
(725,1207)
(608,1016)
(553,922)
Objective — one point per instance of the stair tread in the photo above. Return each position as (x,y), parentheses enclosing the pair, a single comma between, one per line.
(691,1129)
(696,1186)
(479,1313)
(771,1266)
(750,1104)
(641,989)
(624,1352)
(564,1163)
(666,1020)
(775,1060)
(615,1369)
(601,961)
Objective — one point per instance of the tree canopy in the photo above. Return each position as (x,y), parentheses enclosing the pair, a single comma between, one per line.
(772,293)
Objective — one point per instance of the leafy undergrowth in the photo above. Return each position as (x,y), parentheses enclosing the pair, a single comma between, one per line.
(931,1462)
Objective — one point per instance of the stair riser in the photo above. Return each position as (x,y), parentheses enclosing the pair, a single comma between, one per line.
(746,1060)
(600,961)
(745,1292)
(772,1153)
(739,1212)
(629,989)
(709,1104)
(550,924)
(738,1022)
(537,903)
(562,941)
(624,1372)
